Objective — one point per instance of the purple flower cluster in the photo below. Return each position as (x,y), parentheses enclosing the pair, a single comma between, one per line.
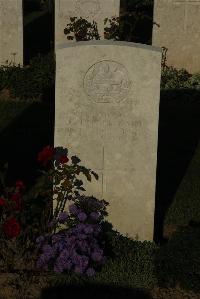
(79,247)
(88,208)
(62,217)
(76,249)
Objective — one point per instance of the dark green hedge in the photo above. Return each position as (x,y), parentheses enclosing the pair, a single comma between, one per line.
(36,81)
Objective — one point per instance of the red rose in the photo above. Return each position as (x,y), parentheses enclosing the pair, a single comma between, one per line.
(2,202)
(46,155)
(16,197)
(19,185)
(63,159)
(11,228)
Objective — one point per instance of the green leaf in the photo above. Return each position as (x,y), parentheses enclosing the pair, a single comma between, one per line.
(95,175)
(88,176)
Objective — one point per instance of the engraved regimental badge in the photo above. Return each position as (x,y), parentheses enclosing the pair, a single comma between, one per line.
(107,82)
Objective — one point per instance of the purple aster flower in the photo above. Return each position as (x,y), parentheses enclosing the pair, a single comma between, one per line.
(64,254)
(56,238)
(88,229)
(94,215)
(62,217)
(71,239)
(81,236)
(97,256)
(79,228)
(52,223)
(80,262)
(68,264)
(73,209)
(76,259)
(48,251)
(83,246)
(82,216)
(84,261)
(58,267)
(90,272)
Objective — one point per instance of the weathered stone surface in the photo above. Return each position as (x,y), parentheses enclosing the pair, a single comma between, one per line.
(91,10)
(107,106)
(11,31)
(179,31)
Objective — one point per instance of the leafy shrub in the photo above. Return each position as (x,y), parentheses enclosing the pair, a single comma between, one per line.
(82,30)
(174,79)
(171,78)
(194,81)
(179,261)
(33,81)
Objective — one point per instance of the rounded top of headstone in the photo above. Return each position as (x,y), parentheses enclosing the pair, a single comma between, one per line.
(108,43)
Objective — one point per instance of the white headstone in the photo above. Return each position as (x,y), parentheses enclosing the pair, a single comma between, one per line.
(178,30)
(106,113)
(91,10)
(11,32)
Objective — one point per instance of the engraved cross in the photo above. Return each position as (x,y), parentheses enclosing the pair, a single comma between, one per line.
(186,3)
(102,174)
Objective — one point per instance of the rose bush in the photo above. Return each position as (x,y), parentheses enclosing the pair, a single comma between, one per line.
(11,213)
(10,207)
(75,239)
(11,227)
(66,240)
(59,178)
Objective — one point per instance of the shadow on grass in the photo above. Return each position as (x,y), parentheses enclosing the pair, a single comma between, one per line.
(178,137)
(23,138)
(93,291)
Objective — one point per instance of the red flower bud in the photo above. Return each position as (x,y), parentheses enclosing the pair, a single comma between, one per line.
(46,155)
(19,185)
(11,228)
(63,159)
